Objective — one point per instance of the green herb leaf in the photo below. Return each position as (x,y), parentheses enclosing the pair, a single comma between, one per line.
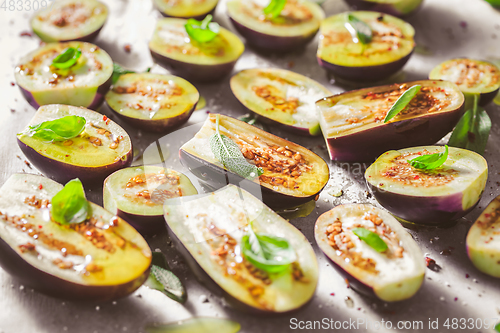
(252,119)
(402,102)
(119,71)
(202,31)
(67,58)
(497,327)
(229,154)
(162,279)
(69,205)
(61,129)
(372,239)
(268,253)
(359,30)
(274,8)
(473,130)
(430,162)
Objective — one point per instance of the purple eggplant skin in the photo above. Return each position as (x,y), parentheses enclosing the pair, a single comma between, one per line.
(265,42)
(48,284)
(422,210)
(160,125)
(146,225)
(365,73)
(194,72)
(63,172)
(387,8)
(199,18)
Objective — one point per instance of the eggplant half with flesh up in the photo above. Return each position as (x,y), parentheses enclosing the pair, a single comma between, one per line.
(136,194)
(398,8)
(83,84)
(353,122)
(172,48)
(471,76)
(295,26)
(391,268)
(213,231)
(388,51)
(483,240)
(99,150)
(283,97)
(292,175)
(196,9)
(70,20)
(431,197)
(100,259)
(153,102)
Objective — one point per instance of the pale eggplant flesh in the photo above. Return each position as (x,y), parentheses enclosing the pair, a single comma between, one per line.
(428,197)
(292,175)
(196,9)
(100,259)
(483,240)
(70,20)
(102,148)
(137,194)
(353,122)
(393,275)
(280,97)
(208,228)
(83,84)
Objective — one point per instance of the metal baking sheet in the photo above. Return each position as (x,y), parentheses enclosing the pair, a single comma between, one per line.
(445,29)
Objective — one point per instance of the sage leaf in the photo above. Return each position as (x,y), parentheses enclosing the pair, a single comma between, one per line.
(473,130)
(430,162)
(69,206)
(60,129)
(359,30)
(229,154)
(162,279)
(274,8)
(371,239)
(67,58)
(402,102)
(202,31)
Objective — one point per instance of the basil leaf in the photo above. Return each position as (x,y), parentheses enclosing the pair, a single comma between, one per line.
(497,327)
(119,71)
(67,58)
(359,30)
(429,162)
(372,239)
(402,102)
(162,279)
(268,253)
(203,31)
(69,206)
(229,154)
(61,129)
(274,8)
(473,130)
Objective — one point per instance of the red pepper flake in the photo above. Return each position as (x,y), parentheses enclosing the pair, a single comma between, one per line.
(417,177)
(28,164)
(332,294)
(104,118)
(40,186)
(12,110)
(487,215)
(463,24)
(467,276)
(12,84)
(26,34)
(456,299)
(127,48)
(347,282)
(40,227)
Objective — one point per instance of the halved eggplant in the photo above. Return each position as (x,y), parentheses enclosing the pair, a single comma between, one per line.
(70,20)
(393,275)
(172,48)
(100,259)
(353,122)
(136,194)
(208,230)
(101,149)
(295,26)
(483,240)
(153,102)
(389,50)
(84,84)
(428,196)
(471,76)
(398,8)
(283,97)
(292,174)
(196,9)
